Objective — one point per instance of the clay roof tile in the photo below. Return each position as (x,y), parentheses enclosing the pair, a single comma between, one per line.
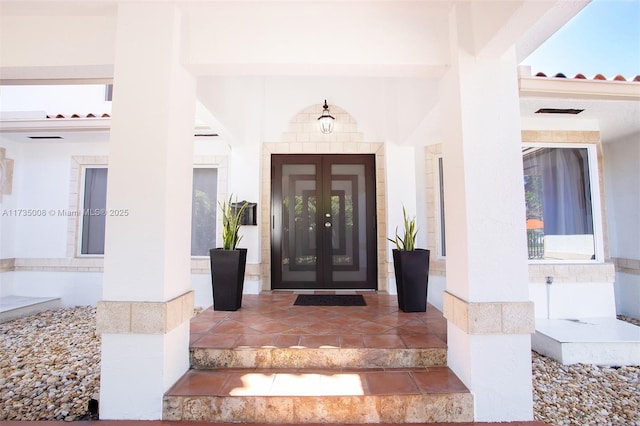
(90,115)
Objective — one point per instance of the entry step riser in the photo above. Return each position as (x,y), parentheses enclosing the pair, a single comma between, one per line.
(457,407)
(207,358)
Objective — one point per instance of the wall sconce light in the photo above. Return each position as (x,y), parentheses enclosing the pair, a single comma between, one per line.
(326,121)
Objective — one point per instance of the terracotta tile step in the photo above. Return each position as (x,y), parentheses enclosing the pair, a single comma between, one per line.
(377,395)
(207,358)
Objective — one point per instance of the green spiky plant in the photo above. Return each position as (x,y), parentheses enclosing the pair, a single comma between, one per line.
(231,223)
(408,241)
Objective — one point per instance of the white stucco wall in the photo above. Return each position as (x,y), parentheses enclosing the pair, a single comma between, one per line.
(244,184)
(404,35)
(56,40)
(45,178)
(627,293)
(73,288)
(9,203)
(622,180)
(7,220)
(400,174)
(573,299)
(41,182)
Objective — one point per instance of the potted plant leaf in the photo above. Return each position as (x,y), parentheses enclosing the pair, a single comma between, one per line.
(411,268)
(228,263)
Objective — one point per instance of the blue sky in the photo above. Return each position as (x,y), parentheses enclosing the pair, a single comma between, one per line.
(603,38)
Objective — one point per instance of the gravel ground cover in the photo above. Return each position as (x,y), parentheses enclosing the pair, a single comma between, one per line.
(583,394)
(50,369)
(49,365)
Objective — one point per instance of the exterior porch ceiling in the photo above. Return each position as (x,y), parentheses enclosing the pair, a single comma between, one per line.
(382,38)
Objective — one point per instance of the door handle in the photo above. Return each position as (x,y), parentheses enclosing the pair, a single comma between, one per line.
(327,224)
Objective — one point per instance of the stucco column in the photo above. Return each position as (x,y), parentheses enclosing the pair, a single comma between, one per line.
(144,315)
(486,301)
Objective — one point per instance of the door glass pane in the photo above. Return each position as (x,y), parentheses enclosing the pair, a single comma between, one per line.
(299,227)
(348,222)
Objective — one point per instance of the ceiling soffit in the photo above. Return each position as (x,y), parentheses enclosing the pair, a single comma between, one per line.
(369,38)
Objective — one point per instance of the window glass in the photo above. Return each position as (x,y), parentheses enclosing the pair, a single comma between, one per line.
(204,209)
(558,200)
(203,215)
(93,217)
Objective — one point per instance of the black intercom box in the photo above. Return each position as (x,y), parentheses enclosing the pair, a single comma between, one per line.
(249,215)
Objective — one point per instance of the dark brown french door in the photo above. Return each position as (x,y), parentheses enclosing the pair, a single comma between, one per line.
(323,233)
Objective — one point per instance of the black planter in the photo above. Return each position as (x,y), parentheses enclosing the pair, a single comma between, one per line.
(412,278)
(227,278)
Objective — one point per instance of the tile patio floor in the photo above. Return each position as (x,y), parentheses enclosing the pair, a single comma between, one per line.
(270,319)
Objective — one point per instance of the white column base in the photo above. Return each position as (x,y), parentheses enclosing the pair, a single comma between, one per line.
(497,368)
(141,368)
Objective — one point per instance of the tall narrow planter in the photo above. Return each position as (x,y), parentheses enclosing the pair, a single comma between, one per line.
(227,277)
(411,269)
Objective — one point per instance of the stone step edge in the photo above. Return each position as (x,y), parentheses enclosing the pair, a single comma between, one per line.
(360,409)
(208,358)
(26,306)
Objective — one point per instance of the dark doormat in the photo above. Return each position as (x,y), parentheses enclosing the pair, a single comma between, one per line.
(330,300)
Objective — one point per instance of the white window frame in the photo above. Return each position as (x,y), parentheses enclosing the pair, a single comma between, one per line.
(81,203)
(76,199)
(596,204)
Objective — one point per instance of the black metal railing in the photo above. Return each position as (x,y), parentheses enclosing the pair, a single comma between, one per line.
(535,243)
